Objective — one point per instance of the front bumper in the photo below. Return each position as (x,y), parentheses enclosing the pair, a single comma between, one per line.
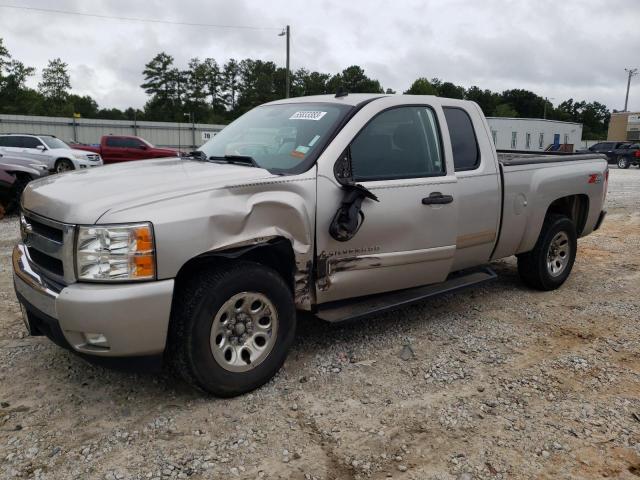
(133,318)
(84,164)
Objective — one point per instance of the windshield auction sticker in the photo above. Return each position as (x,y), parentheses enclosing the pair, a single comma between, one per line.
(308,115)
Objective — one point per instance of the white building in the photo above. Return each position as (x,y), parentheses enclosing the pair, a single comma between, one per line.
(533,134)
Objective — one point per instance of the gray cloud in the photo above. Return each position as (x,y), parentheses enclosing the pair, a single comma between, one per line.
(560,49)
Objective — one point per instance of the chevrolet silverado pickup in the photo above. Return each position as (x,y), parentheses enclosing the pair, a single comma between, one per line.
(338,206)
(125,148)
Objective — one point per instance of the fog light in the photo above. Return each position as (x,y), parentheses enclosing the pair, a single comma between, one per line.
(96,339)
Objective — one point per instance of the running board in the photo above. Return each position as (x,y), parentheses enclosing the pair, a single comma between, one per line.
(364,306)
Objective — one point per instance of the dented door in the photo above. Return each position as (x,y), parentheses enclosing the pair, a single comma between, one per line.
(407,237)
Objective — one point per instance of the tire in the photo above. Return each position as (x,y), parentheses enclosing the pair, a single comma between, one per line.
(623,162)
(199,342)
(64,165)
(558,235)
(22,180)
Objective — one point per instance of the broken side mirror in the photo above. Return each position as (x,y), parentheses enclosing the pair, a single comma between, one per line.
(349,217)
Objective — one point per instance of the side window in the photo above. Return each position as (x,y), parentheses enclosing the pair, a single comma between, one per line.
(402,142)
(131,142)
(114,142)
(4,141)
(464,143)
(30,142)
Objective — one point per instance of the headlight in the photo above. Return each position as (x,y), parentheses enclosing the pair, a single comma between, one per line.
(116,253)
(80,156)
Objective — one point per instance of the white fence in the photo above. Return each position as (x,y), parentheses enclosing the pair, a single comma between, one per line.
(85,130)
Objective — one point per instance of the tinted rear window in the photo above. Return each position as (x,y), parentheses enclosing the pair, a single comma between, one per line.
(30,142)
(466,155)
(10,141)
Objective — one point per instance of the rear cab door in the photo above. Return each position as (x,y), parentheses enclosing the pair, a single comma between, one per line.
(34,149)
(113,149)
(11,144)
(479,186)
(400,151)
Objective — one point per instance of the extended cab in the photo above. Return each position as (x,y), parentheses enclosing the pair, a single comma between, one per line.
(124,148)
(339,206)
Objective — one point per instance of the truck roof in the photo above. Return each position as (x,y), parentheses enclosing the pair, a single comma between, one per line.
(352,99)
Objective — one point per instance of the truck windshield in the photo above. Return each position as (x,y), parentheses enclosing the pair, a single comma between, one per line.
(285,138)
(53,142)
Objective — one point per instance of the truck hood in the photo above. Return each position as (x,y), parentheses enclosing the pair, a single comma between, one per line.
(83,196)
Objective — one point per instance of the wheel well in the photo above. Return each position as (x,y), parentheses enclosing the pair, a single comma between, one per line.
(276,254)
(62,158)
(576,207)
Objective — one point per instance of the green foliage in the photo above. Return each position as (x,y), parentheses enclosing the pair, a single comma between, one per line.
(209,92)
(421,86)
(505,110)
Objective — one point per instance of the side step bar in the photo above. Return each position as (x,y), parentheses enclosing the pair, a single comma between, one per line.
(361,307)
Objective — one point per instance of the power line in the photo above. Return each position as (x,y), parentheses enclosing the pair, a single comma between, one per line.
(144,20)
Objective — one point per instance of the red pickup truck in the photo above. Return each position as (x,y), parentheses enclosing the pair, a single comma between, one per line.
(124,148)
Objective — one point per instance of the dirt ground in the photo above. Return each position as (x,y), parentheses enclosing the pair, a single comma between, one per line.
(495,382)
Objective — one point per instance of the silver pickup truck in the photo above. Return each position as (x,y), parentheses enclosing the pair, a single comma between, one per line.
(339,206)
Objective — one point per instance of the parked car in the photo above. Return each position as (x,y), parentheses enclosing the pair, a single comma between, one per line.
(627,155)
(24,170)
(7,190)
(367,203)
(607,148)
(48,150)
(124,148)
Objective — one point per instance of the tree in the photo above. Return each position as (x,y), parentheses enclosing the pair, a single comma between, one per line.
(214,85)
(449,90)
(505,110)
(55,84)
(487,99)
(308,83)
(421,86)
(526,103)
(231,79)
(86,106)
(158,76)
(354,80)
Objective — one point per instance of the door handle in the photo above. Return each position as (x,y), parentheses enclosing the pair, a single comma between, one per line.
(437,198)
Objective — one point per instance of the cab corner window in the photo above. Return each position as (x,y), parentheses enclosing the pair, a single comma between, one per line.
(464,144)
(402,142)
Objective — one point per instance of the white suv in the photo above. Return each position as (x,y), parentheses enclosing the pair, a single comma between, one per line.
(48,150)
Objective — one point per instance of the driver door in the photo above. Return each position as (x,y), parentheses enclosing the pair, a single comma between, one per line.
(408,237)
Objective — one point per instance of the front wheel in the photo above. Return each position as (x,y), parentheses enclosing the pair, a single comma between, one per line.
(549,264)
(623,162)
(231,328)
(64,165)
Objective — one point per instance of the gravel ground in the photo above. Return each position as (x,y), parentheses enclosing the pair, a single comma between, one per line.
(493,383)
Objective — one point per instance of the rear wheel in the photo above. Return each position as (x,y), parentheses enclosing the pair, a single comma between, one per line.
(22,180)
(231,328)
(64,165)
(549,264)
(623,162)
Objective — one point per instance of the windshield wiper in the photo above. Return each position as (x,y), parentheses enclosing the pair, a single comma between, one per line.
(237,159)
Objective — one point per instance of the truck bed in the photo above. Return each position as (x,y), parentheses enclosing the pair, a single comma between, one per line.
(531,181)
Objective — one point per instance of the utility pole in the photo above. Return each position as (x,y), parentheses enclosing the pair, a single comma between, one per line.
(287,33)
(631,72)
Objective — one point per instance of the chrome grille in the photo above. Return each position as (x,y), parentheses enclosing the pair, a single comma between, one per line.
(49,245)
(93,158)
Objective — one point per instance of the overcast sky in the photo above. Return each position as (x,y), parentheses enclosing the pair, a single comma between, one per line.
(557,48)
